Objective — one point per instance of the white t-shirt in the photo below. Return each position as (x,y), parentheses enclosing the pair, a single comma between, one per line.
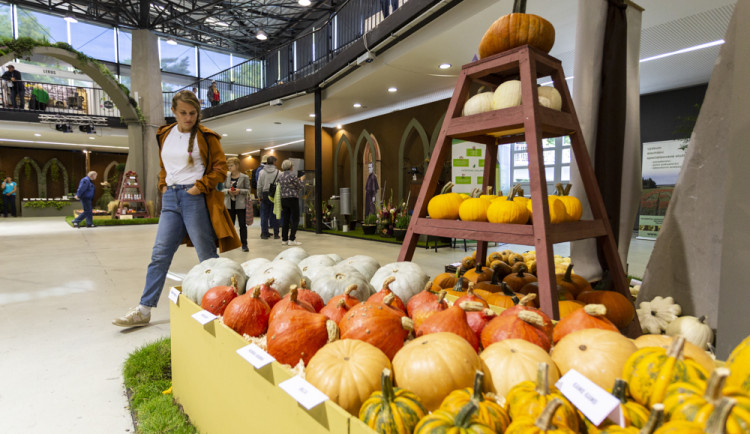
(174,155)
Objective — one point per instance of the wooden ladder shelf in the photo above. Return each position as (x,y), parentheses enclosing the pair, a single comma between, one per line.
(530,122)
(131,193)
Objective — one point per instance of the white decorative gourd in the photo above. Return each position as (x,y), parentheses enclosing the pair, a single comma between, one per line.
(655,315)
(332,281)
(209,273)
(285,274)
(695,330)
(292,254)
(410,279)
(312,264)
(253,264)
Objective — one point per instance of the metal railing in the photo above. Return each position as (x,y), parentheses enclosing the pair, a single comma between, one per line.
(298,59)
(64,99)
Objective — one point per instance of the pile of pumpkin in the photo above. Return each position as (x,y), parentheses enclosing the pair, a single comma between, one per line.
(511,209)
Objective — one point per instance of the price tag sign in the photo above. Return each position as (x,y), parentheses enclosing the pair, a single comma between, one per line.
(634,282)
(255,355)
(204,317)
(303,392)
(174,294)
(594,402)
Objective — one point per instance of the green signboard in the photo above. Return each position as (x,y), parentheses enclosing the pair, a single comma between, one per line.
(463,180)
(460,162)
(472,152)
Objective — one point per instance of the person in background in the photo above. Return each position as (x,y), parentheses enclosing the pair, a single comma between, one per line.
(85,194)
(195,91)
(236,191)
(9,196)
(39,98)
(268,176)
(291,186)
(17,88)
(192,209)
(213,94)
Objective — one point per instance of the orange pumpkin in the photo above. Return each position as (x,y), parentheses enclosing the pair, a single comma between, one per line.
(516,281)
(516,29)
(620,310)
(377,324)
(591,316)
(384,292)
(528,326)
(572,282)
(298,334)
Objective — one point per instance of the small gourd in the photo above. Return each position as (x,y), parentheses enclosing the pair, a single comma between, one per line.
(694,329)
(391,410)
(572,205)
(445,205)
(479,103)
(716,423)
(528,399)
(543,424)
(444,421)
(739,365)
(474,209)
(655,315)
(507,211)
(489,412)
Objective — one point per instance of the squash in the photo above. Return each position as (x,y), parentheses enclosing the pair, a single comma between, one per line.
(444,421)
(529,399)
(525,304)
(330,282)
(542,424)
(633,414)
(290,301)
(384,292)
(250,266)
(444,206)
(516,281)
(492,285)
(514,258)
(516,29)
(210,273)
(479,103)
(695,402)
(572,282)
(410,279)
(474,209)
(651,422)
(347,372)
(377,324)
(655,315)
(293,254)
(549,97)
(690,351)
(556,207)
(424,296)
(525,325)
(573,207)
(739,365)
(335,311)
(247,314)
(715,424)
(311,297)
(451,320)
(347,297)
(506,298)
(434,365)
(216,299)
(649,371)
(598,354)
(501,267)
(469,262)
(508,94)
(446,280)
(591,316)
(478,274)
(512,361)
(283,272)
(620,309)
(489,412)
(297,335)
(428,308)
(313,263)
(268,294)
(507,211)
(694,329)
(366,265)
(392,410)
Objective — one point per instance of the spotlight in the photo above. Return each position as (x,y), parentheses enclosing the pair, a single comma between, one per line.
(89,129)
(65,128)
(261,35)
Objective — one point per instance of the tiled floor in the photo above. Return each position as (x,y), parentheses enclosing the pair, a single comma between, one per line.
(61,359)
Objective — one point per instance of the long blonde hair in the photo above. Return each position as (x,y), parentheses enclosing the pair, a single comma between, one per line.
(189,97)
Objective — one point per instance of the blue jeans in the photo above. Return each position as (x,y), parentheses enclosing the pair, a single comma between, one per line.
(86,214)
(181,214)
(267,217)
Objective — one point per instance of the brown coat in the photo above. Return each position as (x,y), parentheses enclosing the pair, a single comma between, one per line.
(216,172)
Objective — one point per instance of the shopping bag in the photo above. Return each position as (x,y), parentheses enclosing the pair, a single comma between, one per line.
(277,203)
(249,210)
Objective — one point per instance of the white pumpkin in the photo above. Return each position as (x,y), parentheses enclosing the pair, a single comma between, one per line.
(549,97)
(312,264)
(655,315)
(695,330)
(293,254)
(285,274)
(479,103)
(253,264)
(332,281)
(209,273)
(410,279)
(367,265)
(336,258)
(508,94)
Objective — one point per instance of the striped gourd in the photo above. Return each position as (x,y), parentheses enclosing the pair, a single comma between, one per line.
(649,371)
(739,366)
(542,424)
(445,422)
(691,402)
(715,424)
(489,413)
(649,426)
(392,410)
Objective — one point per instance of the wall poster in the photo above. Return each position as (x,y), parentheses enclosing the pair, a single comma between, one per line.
(467,166)
(660,168)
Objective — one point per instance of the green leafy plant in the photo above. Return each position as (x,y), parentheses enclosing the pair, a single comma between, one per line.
(54,172)
(371,219)
(27,168)
(402,221)
(59,204)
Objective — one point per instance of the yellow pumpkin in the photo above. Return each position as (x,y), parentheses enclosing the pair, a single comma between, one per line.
(543,424)
(739,366)
(507,211)
(528,399)
(573,207)
(391,410)
(634,414)
(649,371)
(444,421)
(513,361)
(445,205)
(488,195)
(715,424)
(690,351)
(695,402)
(474,209)
(489,413)
(344,370)
(651,421)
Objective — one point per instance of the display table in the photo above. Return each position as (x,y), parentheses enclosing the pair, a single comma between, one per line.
(49,211)
(221,392)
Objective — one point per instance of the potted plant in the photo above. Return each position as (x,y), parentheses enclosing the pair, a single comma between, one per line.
(402,224)
(370,224)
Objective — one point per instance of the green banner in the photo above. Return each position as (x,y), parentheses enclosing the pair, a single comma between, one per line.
(473,152)
(649,225)
(460,162)
(481,162)
(480,180)
(463,180)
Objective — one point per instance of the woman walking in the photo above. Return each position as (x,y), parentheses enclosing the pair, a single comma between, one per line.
(236,192)
(291,186)
(192,209)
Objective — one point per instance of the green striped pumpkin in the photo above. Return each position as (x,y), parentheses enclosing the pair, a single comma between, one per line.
(448,422)
(392,410)
(489,412)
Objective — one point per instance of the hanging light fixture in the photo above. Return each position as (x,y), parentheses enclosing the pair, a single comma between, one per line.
(304,2)
(171,41)
(70,17)
(261,35)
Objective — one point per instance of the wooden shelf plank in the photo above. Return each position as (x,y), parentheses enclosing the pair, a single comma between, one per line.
(509,122)
(480,231)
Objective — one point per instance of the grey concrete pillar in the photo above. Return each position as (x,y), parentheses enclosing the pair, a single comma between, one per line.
(145,87)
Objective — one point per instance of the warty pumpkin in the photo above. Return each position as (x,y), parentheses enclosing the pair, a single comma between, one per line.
(543,424)
(384,292)
(290,302)
(347,372)
(392,410)
(529,399)
(489,412)
(298,334)
(268,294)
(512,361)
(445,205)
(423,311)
(716,423)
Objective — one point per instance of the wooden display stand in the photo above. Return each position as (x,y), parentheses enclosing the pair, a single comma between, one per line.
(530,122)
(130,192)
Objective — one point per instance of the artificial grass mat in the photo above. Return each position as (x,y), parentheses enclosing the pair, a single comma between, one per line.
(358,233)
(147,373)
(109,221)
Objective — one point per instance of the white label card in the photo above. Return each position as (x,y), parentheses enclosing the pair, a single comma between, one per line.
(174,294)
(594,402)
(255,355)
(204,317)
(303,392)
(634,282)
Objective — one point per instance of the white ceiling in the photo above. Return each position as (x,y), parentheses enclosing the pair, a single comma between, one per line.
(412,66)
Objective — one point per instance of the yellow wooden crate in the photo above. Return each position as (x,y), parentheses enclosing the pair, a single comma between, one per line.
(222,393)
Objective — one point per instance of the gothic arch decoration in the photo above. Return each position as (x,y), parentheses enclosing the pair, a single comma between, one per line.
(369,158)
(365,136)
(47,167)
(436,133)
(419,129)
(344,140)
(17,177)
(109,85)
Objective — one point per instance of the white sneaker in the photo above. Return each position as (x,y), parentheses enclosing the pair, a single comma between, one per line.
(295,243)
(134,318)
(284,243)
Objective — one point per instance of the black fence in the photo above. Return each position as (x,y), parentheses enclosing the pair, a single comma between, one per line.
(63,99)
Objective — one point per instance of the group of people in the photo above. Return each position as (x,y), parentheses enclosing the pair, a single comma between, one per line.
(195,209)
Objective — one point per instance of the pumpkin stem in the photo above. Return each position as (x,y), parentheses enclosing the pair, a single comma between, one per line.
(559,189)
(675,350)
(489,190)
(386,385)
(428,285)
(233,279)
(293,293)
(256,291)
(478,381)
(702,319)
(303,283)
(512,192)
(471,306)
(333,330)
(531,318)
(388,281)
(506,291)
(407,323)
(349,289)
(568,274)
(447,188)
(618,391)
(527,299)
(388,299)
(717,422)
(544,421)
(463,418)
(519,7)
(441,297)
(715,385)
(521,270)
(654,419)
(542,378)
(341,303)
(566,192)
(459,286)
(495,276)
(597,310)
(270,281)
